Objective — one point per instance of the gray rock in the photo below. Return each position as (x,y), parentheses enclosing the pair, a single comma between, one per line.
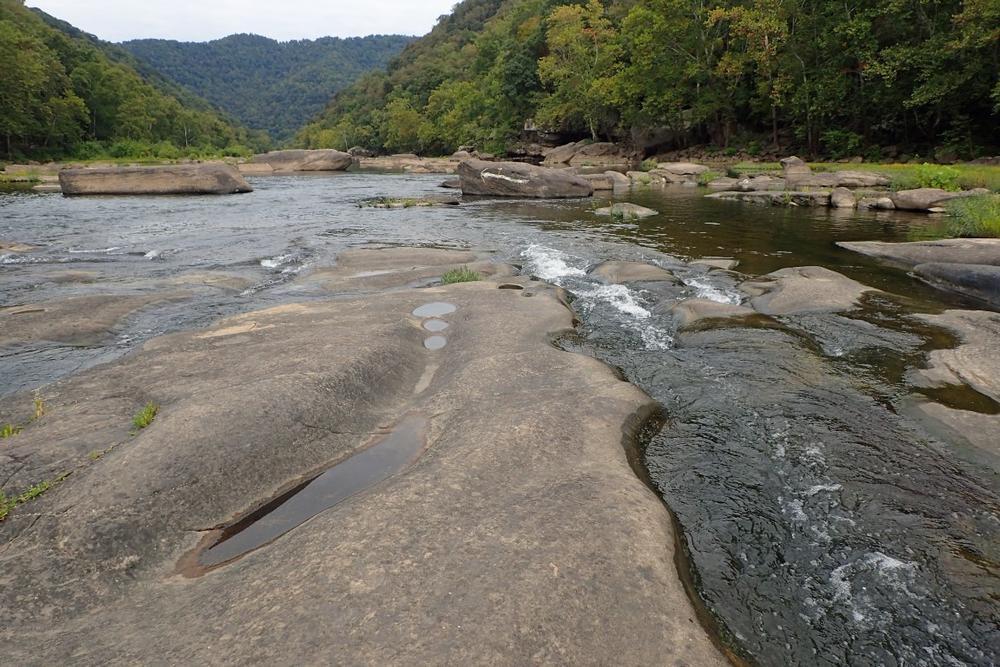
(520,517)
(303,160)
(618,179)
(923,199)
(976,361)
(776,198)
(760,184)
(601,154)
(186,179)
(839,179)
(724,183)
(631,272)
(981,281)
(682,168)
(627,210)
(516,179)
(601,182)
(724,263)
(563,154)
(452,184)
(691,311)
(804,289)
(843,198)
(794,167)
(946,251)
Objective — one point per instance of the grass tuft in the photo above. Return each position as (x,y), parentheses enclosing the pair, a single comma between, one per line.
(7,504)
(145,417)
(461,275)
(974,217)
(9,431)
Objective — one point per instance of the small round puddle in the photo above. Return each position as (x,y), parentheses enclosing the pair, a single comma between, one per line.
(436,326)
(435,342)
(435,310)
(511,286)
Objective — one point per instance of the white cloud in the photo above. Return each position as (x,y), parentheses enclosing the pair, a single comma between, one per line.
(202,20)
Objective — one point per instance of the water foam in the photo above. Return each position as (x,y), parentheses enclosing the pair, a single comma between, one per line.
(706,290)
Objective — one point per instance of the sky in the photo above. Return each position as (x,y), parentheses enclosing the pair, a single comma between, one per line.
(203,20)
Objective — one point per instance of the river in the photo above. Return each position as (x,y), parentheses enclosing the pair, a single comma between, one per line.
(823,523)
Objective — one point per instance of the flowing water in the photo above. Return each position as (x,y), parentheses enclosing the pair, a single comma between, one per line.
(823,522)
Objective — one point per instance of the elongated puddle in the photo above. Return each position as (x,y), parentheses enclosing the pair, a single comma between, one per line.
(383,459)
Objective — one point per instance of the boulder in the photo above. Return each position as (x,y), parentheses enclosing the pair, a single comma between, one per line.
(794,167)
(759,184)
(358,151)
(599,181)
(452,184)
(15,247)
(924,199)
(840,179)
(618,273)
(804,289)
(304,160)
(517,179)
(981,281)
(945,251)
(843,198)
(627,211)
(724,183)
(682,168)
(724,263)
(181,179)
(618,179)
(776,198)
(563,154)
(601,154)
(253,169)
(670,177)
(461,155)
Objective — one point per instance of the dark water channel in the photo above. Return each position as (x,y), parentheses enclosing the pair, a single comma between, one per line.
(825,524)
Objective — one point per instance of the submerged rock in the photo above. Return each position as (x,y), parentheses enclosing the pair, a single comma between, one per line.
(305,160)
(776,198)
(515,179)
(180,179)
(601,182)
(804,289)
(631,272)
(691,311)
(15,247)
(723,263)
(843,198)
(626,210)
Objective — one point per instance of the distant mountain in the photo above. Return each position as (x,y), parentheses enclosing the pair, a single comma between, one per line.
(266,84)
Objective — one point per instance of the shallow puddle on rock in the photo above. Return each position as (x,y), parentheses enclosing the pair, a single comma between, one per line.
(388,456)
(435,310)
(436,326)
(435,343)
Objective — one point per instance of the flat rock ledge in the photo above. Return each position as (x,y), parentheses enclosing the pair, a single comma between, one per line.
(520,535)
(304,160)
(776,197)
(517,179)
(618,273)
(180,179)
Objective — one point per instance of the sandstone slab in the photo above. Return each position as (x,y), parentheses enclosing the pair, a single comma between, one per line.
(181,179)
(948,251)
(630,272)
(804,289)
(305,160)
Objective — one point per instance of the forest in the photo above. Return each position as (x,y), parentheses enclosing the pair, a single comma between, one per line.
(266,84)
(826,79)
(65,94)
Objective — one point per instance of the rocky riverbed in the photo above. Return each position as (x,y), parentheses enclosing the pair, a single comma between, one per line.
(446,473)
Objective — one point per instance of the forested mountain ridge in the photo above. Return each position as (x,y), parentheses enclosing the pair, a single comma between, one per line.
(266,84)
(64,93)
(832,79)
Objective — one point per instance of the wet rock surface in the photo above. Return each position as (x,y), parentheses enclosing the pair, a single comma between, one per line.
(521,518)
(186,179)
(979,280)
(629,272)
(947,251)
(627,211)
(804,290)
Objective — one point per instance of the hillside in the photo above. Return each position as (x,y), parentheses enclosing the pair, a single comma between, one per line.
(64,93)
(268,85)
(820,78)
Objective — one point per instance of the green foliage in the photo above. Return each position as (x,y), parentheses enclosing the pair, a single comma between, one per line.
(649,165)
(64,93)
(9,431)
(816,77)
(461,275)
(975,217)
(707,177)
(8,504)
(937,176)
(269,85)
(145,417)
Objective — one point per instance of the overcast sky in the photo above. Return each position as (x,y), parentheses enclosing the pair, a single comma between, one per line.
(202,20)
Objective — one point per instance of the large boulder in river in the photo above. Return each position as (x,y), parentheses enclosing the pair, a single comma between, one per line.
(945,251)
(303,160)
(618,273)
(924,199)
(517,179)
(804,289)
(179,179)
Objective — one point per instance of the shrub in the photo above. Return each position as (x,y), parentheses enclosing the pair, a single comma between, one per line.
(707,177)
(841,143)
(937,176)
(88,150)
(461,275)
(166,151)
(126,148)
(975,216)
(649,165)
